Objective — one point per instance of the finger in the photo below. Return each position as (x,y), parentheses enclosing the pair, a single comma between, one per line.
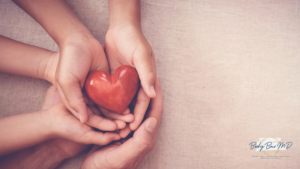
(127,117)
(144,137)
(140,109)
(124,132)
(100,123)
(71,95)
(156,104)
(121,124)
(138,144)
(94,137)
(143,61)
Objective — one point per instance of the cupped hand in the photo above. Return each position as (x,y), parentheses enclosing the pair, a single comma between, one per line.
(130,153)
(66,148)
(75,60)
(126,45)
(62,124)
(78,58)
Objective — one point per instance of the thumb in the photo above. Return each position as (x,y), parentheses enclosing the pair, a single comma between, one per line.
(71,96)
(145,66)
(140,143)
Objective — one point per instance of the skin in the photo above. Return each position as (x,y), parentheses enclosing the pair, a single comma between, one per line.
(59,149)
(78,48)
(130,153)
(125,44)
(42,64)
(81,53)
(54,122)
(48,154)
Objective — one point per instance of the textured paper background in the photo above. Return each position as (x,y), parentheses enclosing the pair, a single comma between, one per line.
(230,72)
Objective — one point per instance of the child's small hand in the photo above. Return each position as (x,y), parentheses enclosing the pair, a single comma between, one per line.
(120,119)
(61,123)
(65,148)
(126,45)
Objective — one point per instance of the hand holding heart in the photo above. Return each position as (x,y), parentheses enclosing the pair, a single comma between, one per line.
(94,117)
(125,44)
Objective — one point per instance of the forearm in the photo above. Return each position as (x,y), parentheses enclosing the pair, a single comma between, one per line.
(40,156)
(124,12)
(22,131)
(57,19)
(22,59)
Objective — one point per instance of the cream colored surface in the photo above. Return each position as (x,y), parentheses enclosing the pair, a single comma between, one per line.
(230,72)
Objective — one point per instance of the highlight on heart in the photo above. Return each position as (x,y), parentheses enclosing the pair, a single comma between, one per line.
(113,92)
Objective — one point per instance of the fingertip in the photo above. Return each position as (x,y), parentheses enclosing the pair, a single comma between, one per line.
(82,119)
(152,91)
(116,137)
(120,124)
(112,126)
(124,132)
(133,126)
(149,90)
(127,111)
(151,124)
(129,118)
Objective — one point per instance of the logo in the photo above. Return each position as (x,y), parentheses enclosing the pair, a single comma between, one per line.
(270,145)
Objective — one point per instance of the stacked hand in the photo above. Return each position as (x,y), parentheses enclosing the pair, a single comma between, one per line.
(80,53)
(131,152)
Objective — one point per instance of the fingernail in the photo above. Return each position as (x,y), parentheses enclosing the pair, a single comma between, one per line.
(150,126)
(152,90)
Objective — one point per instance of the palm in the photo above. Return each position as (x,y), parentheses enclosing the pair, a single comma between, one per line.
(126,45)
(121,44)
(79,59)
(108,157)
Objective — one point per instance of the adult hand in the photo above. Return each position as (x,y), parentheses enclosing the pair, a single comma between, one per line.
(130,153)
(94,116)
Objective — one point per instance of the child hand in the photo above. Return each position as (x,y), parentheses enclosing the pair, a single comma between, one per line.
(65,148)
(61,123)
(126,45)
(93,120)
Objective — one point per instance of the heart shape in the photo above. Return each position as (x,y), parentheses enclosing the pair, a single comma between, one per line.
(113,92)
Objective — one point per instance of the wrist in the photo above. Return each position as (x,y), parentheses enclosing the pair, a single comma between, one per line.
(39,156)
(46,119)
(48,156)
(78,36)
(47,67)
(124,13)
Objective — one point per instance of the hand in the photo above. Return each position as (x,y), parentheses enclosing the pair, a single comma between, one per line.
(130,153)
(66,148)
(125,44)
(94,115)
(77,59)
(63,124)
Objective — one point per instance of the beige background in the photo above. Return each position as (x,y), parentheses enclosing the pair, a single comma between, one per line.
(230,72)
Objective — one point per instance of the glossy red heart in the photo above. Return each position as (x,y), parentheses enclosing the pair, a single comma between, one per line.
(113,92)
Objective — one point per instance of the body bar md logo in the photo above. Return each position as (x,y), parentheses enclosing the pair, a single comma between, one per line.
(270,145)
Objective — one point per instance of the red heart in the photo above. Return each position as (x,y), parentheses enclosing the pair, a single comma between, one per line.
(113,92)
